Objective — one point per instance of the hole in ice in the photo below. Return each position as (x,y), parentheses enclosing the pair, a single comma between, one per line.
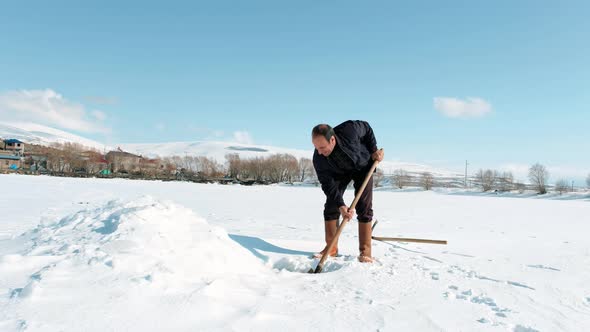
(303,265)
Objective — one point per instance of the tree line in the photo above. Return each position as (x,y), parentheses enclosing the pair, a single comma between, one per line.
(538,176)
(76,159)
(273,169)
(485,179)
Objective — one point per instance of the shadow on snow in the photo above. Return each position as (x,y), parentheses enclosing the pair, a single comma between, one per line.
(256,246)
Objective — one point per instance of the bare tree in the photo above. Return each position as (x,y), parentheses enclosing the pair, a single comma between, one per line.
(291,165)
(233,165)
(253,169)
(506,182)
(91,164)
(54,161)
(538,175)
(177,161)
(426,180)
(63,160)
(486,179)
(306,169)
(561,186)
(520,187)
(401,178)
(168,167)
(588,181)
(208,167)
(191,163)
(281,168)
(258,169)
(274,167)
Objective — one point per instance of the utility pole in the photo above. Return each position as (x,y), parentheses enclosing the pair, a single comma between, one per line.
(466,163)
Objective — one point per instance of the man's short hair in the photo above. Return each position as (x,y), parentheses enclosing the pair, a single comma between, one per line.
(322,130)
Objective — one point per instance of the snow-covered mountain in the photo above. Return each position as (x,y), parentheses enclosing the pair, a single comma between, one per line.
(218,151)
(33,133)
(210,149)
(44,135)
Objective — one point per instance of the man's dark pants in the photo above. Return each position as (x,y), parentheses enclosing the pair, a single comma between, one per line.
(364,207)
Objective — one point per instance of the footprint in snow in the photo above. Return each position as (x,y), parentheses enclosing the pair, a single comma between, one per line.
(543,267)
(481,299)
(520,328)
(518,284)
(474,275)
(432,259)
(483,321)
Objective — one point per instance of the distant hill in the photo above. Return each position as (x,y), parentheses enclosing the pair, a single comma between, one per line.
(44,135)
(33,133)
(218,151)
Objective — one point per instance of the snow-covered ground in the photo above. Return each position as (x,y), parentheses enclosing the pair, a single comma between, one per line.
(96,255)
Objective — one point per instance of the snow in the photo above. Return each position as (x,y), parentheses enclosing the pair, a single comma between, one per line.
(33,133)
(98,254)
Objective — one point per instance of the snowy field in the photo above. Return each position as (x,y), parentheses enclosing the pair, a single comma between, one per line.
(121,255)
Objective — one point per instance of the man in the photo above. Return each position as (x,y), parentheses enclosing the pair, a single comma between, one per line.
(342,154)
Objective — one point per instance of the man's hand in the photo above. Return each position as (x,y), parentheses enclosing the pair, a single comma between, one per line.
(346,212)
(378,155)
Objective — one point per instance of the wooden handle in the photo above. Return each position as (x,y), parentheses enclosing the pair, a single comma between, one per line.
(403,239)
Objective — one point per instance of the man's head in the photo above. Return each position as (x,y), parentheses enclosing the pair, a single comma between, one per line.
(323,139)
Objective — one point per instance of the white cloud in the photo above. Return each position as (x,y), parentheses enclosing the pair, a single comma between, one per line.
(243,137)
(50,108)
(457,108)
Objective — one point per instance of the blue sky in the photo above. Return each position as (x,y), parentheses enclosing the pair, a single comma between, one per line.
(514,73)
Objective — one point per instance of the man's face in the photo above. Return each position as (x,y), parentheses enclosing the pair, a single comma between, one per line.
(324,146)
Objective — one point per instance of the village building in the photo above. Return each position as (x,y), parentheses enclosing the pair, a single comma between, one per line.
(9,162)
(123,161)
(11,152)
(14,145)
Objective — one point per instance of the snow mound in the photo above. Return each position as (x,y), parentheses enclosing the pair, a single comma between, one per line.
(142,238)
(117,257)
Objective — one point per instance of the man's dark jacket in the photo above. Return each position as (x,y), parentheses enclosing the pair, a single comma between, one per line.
(357,141)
